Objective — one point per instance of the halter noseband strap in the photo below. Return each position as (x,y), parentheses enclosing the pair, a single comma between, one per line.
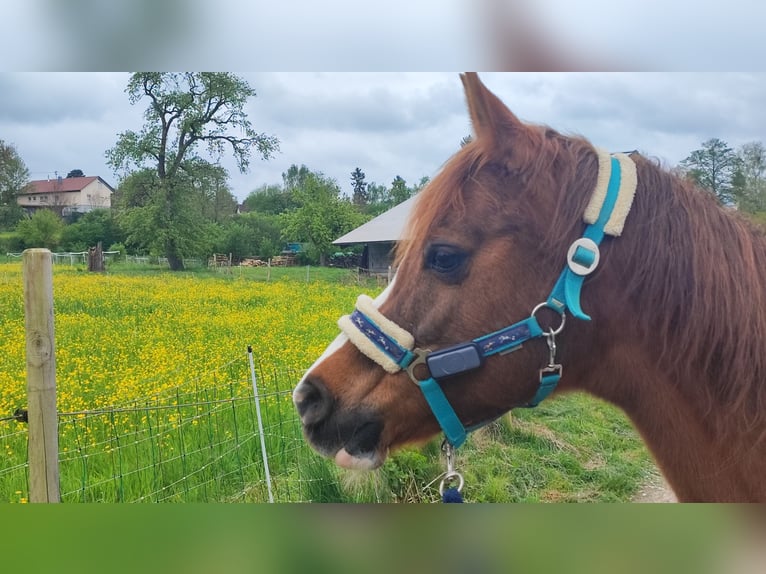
(393,348)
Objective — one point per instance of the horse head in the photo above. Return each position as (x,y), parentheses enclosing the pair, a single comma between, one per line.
(479,256)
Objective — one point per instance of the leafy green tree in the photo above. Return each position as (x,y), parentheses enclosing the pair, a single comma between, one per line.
(14,178)
(209,183)
(399,190)
(162,222)
(295,177)
(270,199)
(322,215)
(359,186)
(184,111)
(379,199)
(250,235)
(749,181)
(420,185)
(713,168)
(76,173)
(136,189)
(43,229)
(94,226)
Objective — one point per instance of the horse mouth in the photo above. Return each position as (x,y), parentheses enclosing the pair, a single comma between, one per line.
(361,461)
(352,437)
(360,450)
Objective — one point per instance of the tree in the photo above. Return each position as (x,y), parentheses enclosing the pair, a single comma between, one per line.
(322,215)
(209,184)
(136,190)
(185,110)
(359,186)
(94,226)
(155,226)
(379,197)
(75,173)
(295,177)
(250,234)
(399,190)
(421,184)
(270,199)
(14,178)
(713,168)
(43,229)
(749,181)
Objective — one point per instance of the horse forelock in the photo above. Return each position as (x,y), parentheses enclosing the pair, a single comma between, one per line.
(553,175)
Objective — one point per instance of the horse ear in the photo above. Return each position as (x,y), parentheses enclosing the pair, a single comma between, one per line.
(491,118)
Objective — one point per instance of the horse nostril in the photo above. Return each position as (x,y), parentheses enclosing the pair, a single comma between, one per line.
(313,401)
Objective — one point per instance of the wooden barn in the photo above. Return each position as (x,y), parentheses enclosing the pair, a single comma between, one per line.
(379,237)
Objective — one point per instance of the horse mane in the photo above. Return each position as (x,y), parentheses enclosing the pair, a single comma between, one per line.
(695,269)
(700,270)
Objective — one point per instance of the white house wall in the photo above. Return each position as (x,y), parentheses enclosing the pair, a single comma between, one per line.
(95,195)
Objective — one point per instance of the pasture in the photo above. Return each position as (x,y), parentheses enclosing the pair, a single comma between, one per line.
(155,400)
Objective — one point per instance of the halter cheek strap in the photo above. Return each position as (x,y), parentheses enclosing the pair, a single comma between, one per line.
(606,213)
(393,347)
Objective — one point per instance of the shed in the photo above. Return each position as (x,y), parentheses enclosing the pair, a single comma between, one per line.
(379,236)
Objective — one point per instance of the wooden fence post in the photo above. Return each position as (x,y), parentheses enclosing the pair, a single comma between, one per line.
(41,376)
(96,258)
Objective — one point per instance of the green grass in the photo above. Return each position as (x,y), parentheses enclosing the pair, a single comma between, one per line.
(570,449)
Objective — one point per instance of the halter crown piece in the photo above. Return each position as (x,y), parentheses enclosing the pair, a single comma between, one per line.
(393,347)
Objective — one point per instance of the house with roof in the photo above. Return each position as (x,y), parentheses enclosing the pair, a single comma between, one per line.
(379,237)
(67,195)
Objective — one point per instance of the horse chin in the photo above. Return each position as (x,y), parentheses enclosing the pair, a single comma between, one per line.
(361,461)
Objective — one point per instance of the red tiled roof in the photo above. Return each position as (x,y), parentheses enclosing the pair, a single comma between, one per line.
(63,184)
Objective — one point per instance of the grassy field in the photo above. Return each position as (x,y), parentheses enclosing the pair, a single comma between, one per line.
(155,399)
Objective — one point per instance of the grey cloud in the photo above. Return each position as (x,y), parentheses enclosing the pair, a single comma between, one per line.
(340,102)
(643,109)
(42,98)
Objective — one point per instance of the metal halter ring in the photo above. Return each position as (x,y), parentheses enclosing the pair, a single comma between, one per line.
(551,332)
(449,477)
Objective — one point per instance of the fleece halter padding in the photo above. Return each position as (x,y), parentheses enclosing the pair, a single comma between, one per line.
(374,335)
(625,193)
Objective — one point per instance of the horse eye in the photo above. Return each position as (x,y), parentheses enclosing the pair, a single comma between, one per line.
(444,259)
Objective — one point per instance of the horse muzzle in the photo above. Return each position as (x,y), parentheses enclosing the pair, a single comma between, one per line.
(351,437)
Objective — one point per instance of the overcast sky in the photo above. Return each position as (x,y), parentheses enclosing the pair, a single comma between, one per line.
(392,35)
(389,124)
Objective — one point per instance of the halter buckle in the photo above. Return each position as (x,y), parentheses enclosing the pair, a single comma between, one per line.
(550,370)
(583,256)
(420,359)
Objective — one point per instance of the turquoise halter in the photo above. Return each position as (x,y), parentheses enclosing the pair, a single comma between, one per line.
(387,348)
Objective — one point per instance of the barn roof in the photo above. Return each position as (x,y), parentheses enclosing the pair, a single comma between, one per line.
(388,226)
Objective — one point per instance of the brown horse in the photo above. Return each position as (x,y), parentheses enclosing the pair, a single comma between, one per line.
(677,336)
